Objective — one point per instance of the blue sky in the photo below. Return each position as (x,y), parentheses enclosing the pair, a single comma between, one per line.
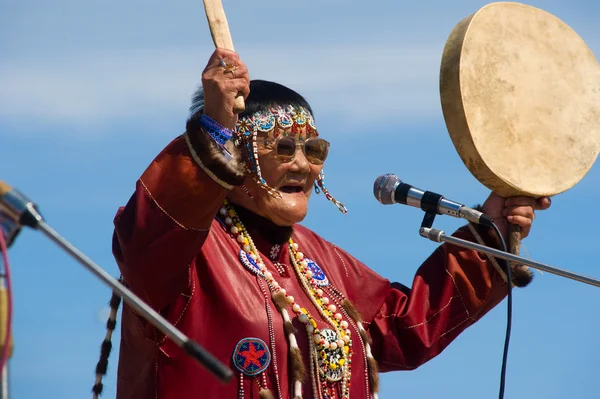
(91,91)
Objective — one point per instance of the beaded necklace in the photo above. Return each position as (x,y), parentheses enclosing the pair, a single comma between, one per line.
(330,349)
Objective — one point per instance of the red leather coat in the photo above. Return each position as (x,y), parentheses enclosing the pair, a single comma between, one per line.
(177,257)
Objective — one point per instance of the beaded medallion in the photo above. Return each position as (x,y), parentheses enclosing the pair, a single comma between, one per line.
(318,275)
(249,263)
(251,356)
(331,358)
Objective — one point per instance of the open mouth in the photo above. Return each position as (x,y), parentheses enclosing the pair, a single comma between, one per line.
(291,189)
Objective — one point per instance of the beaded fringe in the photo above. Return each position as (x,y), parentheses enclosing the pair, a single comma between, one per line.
(106,347)
(320,186)
(253,164)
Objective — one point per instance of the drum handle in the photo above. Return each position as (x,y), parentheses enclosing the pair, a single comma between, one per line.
(522,276)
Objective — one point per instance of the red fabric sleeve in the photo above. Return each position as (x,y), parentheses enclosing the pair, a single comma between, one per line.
(164,224)
(451,290)
(454,288)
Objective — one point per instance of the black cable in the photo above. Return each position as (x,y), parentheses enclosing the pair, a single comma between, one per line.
(508,315)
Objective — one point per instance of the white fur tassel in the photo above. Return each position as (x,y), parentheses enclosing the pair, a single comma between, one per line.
(368,350)
(297,389)
(286,315)
(369,355)
(293,345)
(293,342)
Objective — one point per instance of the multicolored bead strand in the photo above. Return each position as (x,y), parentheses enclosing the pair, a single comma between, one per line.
(236,228)
(329,313)
(320,186)
(327,310)
(241,387)
(371,371)
(313,366)
(272,340)
(251,142)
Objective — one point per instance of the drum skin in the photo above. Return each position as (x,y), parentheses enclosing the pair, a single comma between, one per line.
(520,94)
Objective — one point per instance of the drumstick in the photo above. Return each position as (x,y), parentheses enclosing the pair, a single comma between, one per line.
(219,30)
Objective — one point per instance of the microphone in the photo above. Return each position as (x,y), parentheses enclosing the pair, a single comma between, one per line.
(389,189)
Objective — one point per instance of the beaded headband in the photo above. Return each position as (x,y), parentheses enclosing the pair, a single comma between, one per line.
(289,119)
(277,120)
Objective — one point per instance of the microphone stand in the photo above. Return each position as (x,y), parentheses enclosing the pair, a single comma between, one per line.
(438,235)
(25,213)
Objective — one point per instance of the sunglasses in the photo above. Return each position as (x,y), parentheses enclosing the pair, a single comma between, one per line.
(315,149)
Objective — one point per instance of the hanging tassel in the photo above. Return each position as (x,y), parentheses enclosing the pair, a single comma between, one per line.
(352,311)
(298,370)
(355,315)
(241,387)
(106,347)
(297,390)
(280,300)
(254,165)
(247,191)
(297,365)
(321,185)
(372,363)
(364,335)
(265,186)
(373,370)
(265,393)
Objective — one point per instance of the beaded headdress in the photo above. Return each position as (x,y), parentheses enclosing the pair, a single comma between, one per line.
(277,121)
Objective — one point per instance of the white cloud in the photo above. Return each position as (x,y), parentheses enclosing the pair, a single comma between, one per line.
(97,88)
(358,83)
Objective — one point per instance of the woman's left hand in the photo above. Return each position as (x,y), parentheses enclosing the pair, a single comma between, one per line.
(514,210)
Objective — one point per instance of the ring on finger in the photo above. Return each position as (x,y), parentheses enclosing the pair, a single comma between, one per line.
(228,67)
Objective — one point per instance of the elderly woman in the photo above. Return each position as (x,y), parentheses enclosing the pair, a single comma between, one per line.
(211,239)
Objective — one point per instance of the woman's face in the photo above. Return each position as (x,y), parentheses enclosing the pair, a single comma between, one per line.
(293,179)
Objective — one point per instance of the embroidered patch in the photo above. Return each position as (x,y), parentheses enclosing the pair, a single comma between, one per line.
(274,251)
(318,275)
(251,356)
(249,263)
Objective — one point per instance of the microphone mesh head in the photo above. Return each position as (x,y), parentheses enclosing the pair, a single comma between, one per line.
(384,188)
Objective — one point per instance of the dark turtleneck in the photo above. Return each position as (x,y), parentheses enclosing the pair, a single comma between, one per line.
(270,231)
(269,238)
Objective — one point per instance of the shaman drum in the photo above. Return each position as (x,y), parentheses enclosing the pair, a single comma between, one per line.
(520,94)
